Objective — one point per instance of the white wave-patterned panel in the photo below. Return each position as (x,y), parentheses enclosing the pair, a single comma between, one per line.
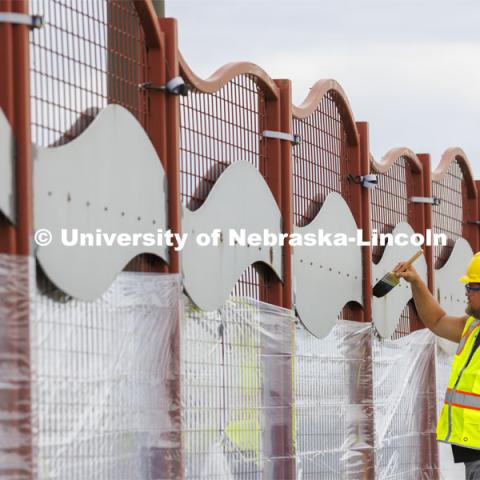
(7,169)
(240,199)
(109,178)
(327,277)
(386,310)
(450,292)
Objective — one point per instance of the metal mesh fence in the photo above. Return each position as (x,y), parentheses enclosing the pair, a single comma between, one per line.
(322,404)
(389,201)
(319,160)
(100,376)
(447,217)
(216,130)
(320,163)
(333,403)
(389,206)
(88,54)
(226,354)
(404,396)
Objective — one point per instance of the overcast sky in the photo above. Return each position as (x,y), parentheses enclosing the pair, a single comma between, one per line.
(409,68)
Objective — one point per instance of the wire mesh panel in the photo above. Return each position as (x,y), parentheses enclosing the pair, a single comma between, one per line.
(320,163)
(389,206)
(328,378)
(389,201)
(224,394)
(100,377)
(216,130)
(402,387)
(447,217)
(88,54)
(319,160)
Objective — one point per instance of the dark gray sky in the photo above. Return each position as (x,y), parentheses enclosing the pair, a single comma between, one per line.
(409,68)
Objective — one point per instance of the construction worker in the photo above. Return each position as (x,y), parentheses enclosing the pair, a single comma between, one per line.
(459,421)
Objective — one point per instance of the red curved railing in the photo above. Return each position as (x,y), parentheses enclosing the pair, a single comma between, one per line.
(448,157)
(225,74)
(154,38)
(315,96)
(387,161)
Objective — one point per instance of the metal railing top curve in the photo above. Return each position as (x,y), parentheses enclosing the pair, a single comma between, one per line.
(447,158)
(225,74)
(387,161)
(315,96)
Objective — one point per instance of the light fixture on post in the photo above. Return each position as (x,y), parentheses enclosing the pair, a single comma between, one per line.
(175,86)
(367,181)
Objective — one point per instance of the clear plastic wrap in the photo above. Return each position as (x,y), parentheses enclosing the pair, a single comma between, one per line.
(92,389)
(333,403)
(237,381)
(102,377)
(16,273)
(448,469)
(405,410)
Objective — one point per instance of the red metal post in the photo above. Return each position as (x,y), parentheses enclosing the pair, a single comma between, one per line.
(365,221)
(279,441)
(429,454)
(416,218)
(24,210)
(8,234)
(285,88)
(164,128)
(416,211)
(356,196)
(172,133)
(427,213)
(23,152)
(270,149)
(156,120)
(15,342)
(362,393)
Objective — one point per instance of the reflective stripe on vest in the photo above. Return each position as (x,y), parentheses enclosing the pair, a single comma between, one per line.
(462,399)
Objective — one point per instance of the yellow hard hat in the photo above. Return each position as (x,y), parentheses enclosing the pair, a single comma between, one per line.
(473,270)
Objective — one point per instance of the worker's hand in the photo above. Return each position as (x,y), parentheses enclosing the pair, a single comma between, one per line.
(410,274)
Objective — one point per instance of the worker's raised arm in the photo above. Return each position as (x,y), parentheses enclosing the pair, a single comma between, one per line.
(429,310)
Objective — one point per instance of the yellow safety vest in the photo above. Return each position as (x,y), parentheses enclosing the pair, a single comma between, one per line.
(459,421)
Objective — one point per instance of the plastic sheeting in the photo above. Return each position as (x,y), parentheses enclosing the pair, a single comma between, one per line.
(448,469)
(333,403)
(237,365)
(405,409)
(261,397)
(101,372)
(99,381)
(15,405)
